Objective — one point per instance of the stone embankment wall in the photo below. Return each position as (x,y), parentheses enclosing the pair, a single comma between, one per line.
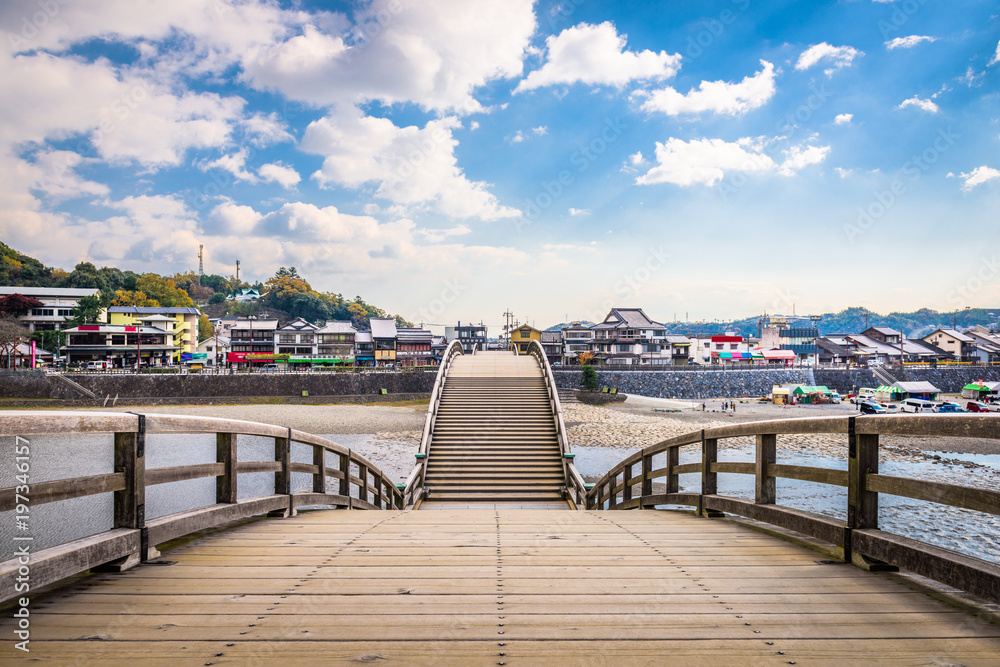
(730,384)
(35,385)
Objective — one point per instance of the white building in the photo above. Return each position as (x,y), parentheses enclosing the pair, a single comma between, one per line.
(57,309)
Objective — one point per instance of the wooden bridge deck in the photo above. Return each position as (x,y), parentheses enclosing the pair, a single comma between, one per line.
(486,587)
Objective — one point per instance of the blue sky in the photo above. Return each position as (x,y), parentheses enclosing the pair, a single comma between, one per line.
(448,160)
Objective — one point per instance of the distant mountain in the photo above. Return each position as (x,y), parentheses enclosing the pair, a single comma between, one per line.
(854,320)
(563,325)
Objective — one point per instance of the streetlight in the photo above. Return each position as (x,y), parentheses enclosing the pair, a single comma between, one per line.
(250,319)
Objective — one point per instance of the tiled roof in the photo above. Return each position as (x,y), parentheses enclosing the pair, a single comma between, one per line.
(147,310)
(383,327)
(337,326)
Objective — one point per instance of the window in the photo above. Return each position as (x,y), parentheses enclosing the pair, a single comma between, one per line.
(63,312)
(306,338)
(733,346)
(286,338)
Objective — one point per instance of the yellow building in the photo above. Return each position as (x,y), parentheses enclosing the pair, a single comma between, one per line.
(384,340)
(522,335)
(180,323)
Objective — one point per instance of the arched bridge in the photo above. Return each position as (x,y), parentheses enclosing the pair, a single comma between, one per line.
(493,576)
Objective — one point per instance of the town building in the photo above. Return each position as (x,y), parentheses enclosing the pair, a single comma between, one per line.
(252,341)
(384,340)
(884,335)
(960,346)
(552,345)
(57,305)
(438,346)
(364,351)
(335,342)
(627,336)
(522,336)
(577,339)
(119,345)
(216,350)
(472,336)
(182,322)
(413,347)
(245,294)
(296,338)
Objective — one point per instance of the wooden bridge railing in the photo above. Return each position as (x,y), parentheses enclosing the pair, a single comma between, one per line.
(413,488)
(133,538)
(858,539)
(576,490)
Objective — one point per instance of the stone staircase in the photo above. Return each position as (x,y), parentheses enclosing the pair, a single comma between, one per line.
(494,436)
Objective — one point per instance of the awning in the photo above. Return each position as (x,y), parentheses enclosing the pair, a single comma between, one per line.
(730,355)
(779,354)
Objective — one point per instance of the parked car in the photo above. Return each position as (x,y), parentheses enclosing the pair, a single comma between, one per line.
(949,407)
(976,406)
(890,407)
(871,409)
(95,366)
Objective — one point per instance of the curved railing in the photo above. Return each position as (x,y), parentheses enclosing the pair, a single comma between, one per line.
(413,488)
(575,487)
(359,484)
(858,539)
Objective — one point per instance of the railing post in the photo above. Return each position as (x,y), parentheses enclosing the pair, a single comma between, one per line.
(226,487)
(130,502)
(709,479)
(319,460)
(647,481)
(673,481)
(862,504)
(345,480)
(363,487)
(283,476)
(765,487)
(627,491)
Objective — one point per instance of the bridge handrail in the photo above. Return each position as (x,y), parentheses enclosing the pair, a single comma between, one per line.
(575,485)
(415,482)
(133,537)
(858,539)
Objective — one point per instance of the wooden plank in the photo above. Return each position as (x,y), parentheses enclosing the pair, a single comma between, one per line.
(227,484)
(765,489)
(179,473)
(172,526)
(64,489)
(981,500)
(809,474)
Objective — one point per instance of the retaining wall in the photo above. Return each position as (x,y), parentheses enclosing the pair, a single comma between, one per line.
(32,385)
(736,383)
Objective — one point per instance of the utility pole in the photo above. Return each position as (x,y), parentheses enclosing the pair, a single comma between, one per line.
(201,259)
(237,271)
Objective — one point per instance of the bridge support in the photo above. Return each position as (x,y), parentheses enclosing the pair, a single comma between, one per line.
(283,476)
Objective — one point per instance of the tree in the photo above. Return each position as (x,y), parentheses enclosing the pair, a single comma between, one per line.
(163,290)
(88,310)
(218,297)
(137,298)
(358,316)
(18,304)
(589,378)
(12,334)
(205,327)
(585,358)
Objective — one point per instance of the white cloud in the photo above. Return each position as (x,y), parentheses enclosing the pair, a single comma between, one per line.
(579,211)
(438,235)
(636,158)
(474,125)
(908,42)
(283,175)
(978,176)
(838,56)
(720,97)
(925,105)
(843,173)
(800,157)
(410,166)
(235,164)
(596,55)
(53,172)
(541,130)
(996,56)
(433,53)
(843,119)
(517,137)
(703,161)
(706,161)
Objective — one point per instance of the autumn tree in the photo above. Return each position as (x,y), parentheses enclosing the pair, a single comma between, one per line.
(136,298)
(12,334)
(205,327)
(163,290)
(18,304)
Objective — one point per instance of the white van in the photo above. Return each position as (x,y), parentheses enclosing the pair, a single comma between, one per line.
(95,366)
(918,405)
(866,392)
